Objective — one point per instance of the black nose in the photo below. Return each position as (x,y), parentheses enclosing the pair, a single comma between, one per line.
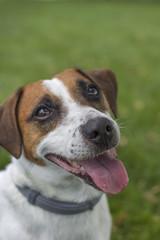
(98,130)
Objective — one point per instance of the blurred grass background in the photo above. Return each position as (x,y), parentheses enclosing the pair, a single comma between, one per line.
(41,38)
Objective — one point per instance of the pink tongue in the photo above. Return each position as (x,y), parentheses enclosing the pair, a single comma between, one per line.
(107,172)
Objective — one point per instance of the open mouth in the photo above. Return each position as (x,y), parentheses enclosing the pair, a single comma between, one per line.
(104,172)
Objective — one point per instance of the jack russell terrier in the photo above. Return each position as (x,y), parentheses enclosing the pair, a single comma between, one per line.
(61,137)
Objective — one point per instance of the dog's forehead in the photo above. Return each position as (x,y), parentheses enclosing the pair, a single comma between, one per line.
(33,92)
(70,77)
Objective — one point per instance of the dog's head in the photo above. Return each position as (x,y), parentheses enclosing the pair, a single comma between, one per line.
(67,121)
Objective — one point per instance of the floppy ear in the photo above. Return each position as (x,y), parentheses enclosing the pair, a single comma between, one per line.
(106,79)
(10,136)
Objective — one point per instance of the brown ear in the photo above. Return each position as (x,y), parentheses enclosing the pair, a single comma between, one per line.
(107,81)
(10,137)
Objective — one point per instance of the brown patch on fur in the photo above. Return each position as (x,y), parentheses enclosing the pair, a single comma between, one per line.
(106,79)
(70,78)
(32,131)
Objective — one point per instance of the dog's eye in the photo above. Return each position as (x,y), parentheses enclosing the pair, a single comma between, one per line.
(93,91)
(42,113)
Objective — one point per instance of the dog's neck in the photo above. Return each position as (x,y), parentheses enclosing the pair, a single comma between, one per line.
(51,180)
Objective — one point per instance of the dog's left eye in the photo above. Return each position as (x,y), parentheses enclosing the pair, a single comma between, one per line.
(42,113)
(93,91)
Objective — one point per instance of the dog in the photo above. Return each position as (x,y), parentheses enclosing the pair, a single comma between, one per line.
(62,139)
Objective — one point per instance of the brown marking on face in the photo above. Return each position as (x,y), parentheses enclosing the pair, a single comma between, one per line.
(106,79)
(32,130)
(71,79)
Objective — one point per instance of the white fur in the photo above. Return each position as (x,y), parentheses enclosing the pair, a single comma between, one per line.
(19,219)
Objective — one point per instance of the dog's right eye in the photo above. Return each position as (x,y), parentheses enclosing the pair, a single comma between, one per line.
(42,113)
(46,110)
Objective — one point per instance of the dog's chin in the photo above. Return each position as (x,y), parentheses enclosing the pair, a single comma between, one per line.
(103,172)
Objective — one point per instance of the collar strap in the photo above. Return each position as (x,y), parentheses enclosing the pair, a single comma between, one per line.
(55,206)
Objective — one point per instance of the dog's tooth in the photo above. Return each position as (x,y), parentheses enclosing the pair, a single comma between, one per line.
(70,161)
(75,164)
(82,168)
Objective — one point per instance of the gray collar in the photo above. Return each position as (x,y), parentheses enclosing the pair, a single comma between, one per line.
(55,206)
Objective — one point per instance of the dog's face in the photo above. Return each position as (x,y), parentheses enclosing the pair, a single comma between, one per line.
(67,121)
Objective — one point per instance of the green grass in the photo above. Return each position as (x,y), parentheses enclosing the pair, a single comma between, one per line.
(39,39)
